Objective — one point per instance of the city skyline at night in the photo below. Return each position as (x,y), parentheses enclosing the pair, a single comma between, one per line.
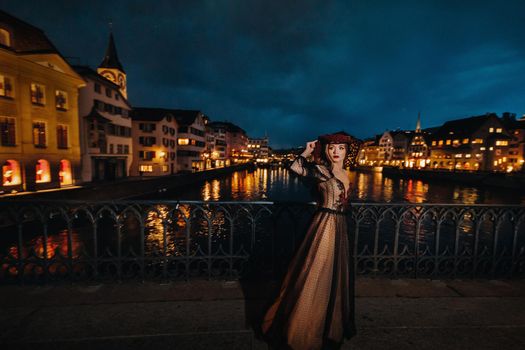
(311,68)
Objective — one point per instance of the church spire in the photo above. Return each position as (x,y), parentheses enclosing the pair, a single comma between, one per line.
(111,58)
(418,124)
(111,68)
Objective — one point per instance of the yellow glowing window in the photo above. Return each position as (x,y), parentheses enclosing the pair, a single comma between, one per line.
(5,38)
(502,143)
(499,130)
(65,172)
(441,142)
(184,142)
(448,142)
(455,142)
(42,171)
(491,129)
(477,141)
(61,100)
(482,148)
(468,155)
(433,143)
(146,168)
(11,173)
(465,140)
(38,94)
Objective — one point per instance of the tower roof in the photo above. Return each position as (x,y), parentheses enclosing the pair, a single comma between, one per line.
(111,58)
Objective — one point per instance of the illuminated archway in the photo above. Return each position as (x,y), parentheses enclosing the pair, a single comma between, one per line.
(65,172)
(11,173)
(42,171)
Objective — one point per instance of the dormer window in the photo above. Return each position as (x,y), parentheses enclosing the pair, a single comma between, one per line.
(5,38)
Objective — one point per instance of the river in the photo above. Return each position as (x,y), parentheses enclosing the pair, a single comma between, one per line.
(277,184)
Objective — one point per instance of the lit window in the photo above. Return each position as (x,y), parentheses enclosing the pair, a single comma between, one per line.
(5,38)
(165,168)
(499,130)
(42,171)
(62,136)
(465,140)
(433,143)
(38,94)
(477,141)
(448,142)
(482,148)
(468,155)
(7,131)
(502,143)
(61,100)
(146,168)
(183,142)
(11,173)
(441,142)
(491,129)
(39,134)
(6,86)
(65,172)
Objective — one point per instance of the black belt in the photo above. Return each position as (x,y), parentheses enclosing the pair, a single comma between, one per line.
(330,210)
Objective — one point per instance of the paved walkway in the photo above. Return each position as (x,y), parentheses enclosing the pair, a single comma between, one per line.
(391,314)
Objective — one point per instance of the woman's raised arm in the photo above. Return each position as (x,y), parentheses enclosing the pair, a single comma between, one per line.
(300,165)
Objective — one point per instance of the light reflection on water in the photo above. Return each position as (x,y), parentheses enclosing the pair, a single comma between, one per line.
(277,184)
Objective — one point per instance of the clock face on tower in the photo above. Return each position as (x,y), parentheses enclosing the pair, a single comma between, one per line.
(121,81)
(108,75)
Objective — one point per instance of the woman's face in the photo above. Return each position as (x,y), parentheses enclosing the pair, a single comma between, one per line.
(335,152)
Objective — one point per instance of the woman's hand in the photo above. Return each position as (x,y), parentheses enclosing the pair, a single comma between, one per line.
(309,148)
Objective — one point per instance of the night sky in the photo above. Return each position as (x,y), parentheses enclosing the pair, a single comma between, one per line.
(296,69)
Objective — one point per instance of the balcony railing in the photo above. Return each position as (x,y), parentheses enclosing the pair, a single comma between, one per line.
(168,240)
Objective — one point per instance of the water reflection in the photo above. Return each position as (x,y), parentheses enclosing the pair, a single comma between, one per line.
(278,184)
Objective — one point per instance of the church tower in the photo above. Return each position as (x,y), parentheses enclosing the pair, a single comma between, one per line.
(111,68)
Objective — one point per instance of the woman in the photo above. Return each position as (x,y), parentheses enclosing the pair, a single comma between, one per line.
(315,306)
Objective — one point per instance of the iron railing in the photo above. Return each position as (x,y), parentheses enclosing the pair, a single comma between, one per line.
(169,240)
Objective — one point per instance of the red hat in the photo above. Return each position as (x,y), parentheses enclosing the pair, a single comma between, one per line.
(338,137)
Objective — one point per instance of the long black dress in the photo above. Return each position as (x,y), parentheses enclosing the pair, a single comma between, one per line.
(315,306)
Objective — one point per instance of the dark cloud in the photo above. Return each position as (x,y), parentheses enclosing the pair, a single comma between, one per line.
(295,69)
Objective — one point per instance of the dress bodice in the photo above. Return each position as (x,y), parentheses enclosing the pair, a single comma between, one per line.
(332,193)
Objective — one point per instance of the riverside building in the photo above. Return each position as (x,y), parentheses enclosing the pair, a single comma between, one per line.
(154,132)
(39,125)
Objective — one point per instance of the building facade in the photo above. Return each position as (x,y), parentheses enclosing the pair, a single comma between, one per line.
(516,153)
(39,127)
(105,124)
(475,143)
(258,149)
(154,133)
(191,142)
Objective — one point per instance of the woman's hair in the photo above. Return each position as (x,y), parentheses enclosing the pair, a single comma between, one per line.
(352,148)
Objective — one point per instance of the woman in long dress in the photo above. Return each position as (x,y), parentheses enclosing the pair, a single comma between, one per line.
(315,306)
